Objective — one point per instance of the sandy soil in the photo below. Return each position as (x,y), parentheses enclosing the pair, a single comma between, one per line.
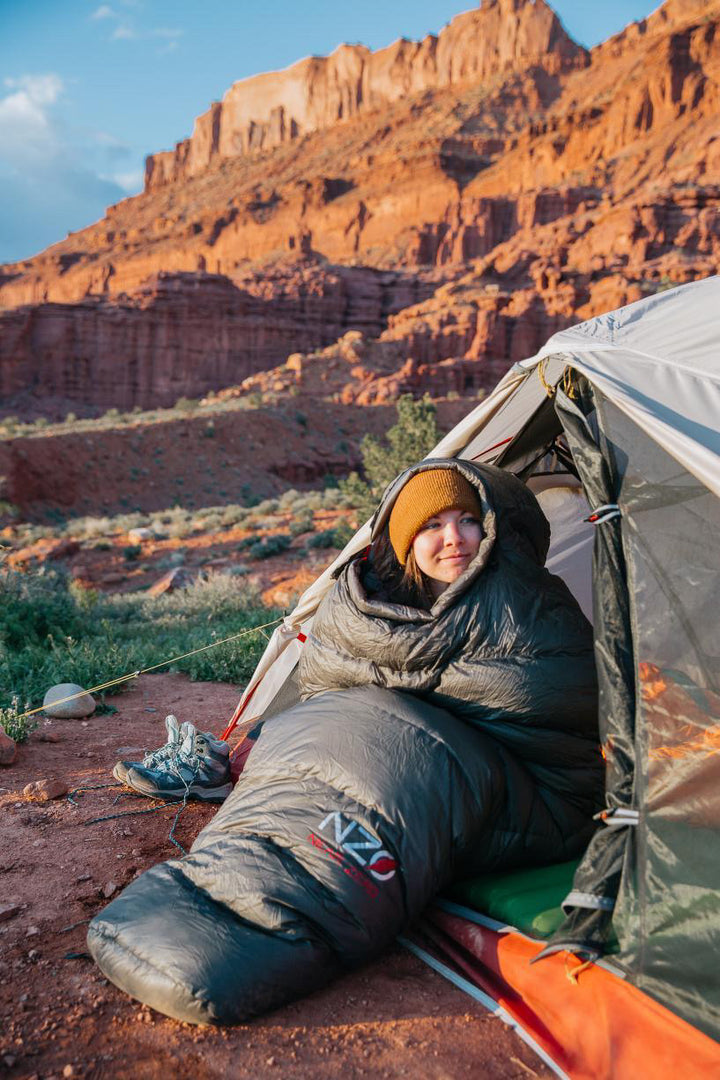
(59,1017)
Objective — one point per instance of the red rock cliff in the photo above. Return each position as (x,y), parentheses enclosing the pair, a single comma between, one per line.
(563,185)
(499,37)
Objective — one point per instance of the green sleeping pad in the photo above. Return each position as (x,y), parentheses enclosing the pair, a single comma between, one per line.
(526,899)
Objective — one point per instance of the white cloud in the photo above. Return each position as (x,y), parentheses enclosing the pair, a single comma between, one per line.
(52,177)
(25,126)
(131,182)
(40,89)
(104,138)
(126,29)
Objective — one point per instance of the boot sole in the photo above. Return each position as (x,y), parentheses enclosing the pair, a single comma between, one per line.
(120,774)
(217,794)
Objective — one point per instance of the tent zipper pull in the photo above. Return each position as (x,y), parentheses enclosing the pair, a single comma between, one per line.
(618,817)
(603,514)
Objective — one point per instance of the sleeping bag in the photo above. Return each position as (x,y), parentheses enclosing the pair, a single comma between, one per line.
(430,745)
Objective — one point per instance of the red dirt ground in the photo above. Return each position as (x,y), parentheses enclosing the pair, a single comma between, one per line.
(60,1018)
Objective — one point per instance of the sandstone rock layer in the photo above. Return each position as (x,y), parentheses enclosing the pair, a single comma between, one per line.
(454,200)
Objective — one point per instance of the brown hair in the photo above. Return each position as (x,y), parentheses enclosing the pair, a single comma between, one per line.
(400,584)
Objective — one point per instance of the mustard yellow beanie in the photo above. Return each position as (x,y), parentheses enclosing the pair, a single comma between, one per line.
(426,494)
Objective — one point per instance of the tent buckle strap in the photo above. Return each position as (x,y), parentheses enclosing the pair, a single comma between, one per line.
(618,817)
(603,514)
(578,899)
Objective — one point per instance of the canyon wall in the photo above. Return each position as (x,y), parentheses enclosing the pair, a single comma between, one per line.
(454,200)
(265,111)
(185,335)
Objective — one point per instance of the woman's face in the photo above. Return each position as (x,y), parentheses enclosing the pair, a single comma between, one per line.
(445,547)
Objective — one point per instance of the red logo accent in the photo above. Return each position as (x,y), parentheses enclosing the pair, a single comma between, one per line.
(384,865)
(351,871)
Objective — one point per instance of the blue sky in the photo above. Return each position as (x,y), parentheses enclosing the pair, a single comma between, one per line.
(88,88)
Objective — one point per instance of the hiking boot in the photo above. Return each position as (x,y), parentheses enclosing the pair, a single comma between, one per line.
(200,768)
(175,737)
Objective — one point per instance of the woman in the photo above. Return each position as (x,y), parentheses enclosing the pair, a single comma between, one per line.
(448,727)
(453,603)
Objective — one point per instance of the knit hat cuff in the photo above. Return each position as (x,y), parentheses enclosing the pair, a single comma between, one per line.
(426,494)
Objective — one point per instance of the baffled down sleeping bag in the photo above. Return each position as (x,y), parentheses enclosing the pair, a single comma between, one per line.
(431,745)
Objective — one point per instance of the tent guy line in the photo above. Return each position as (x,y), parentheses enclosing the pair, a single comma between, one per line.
(153,667)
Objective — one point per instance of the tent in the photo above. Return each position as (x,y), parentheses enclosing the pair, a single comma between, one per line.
(615,425)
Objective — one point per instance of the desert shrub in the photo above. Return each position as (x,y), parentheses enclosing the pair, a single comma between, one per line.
(88,528)
(248,496)
(287,500)
(267,506)
(179,528)
(14,724)
(268,546)
(309,501)
(51,631)
(131,552)
(335,538)
(233,515)
(8,424)
(302,523)
(36,606)
(8,509)
(409,440)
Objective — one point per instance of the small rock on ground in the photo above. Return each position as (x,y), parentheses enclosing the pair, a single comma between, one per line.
(8,750)
(8,910)
(179,578)
(45,790)
(69,710)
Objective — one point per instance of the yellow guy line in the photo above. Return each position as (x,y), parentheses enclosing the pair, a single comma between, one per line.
(153,667)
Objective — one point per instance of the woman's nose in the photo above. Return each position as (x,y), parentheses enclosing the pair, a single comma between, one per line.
(451,533)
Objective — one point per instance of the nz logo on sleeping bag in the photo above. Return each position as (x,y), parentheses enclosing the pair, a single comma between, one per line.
(354,840)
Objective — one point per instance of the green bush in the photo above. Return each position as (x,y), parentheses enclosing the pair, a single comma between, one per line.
(303,523)
(52,631)
(36,607)
(407,441)
(267,546)
(336,538)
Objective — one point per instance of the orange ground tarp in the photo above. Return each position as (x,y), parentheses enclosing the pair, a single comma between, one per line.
(592,1023)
